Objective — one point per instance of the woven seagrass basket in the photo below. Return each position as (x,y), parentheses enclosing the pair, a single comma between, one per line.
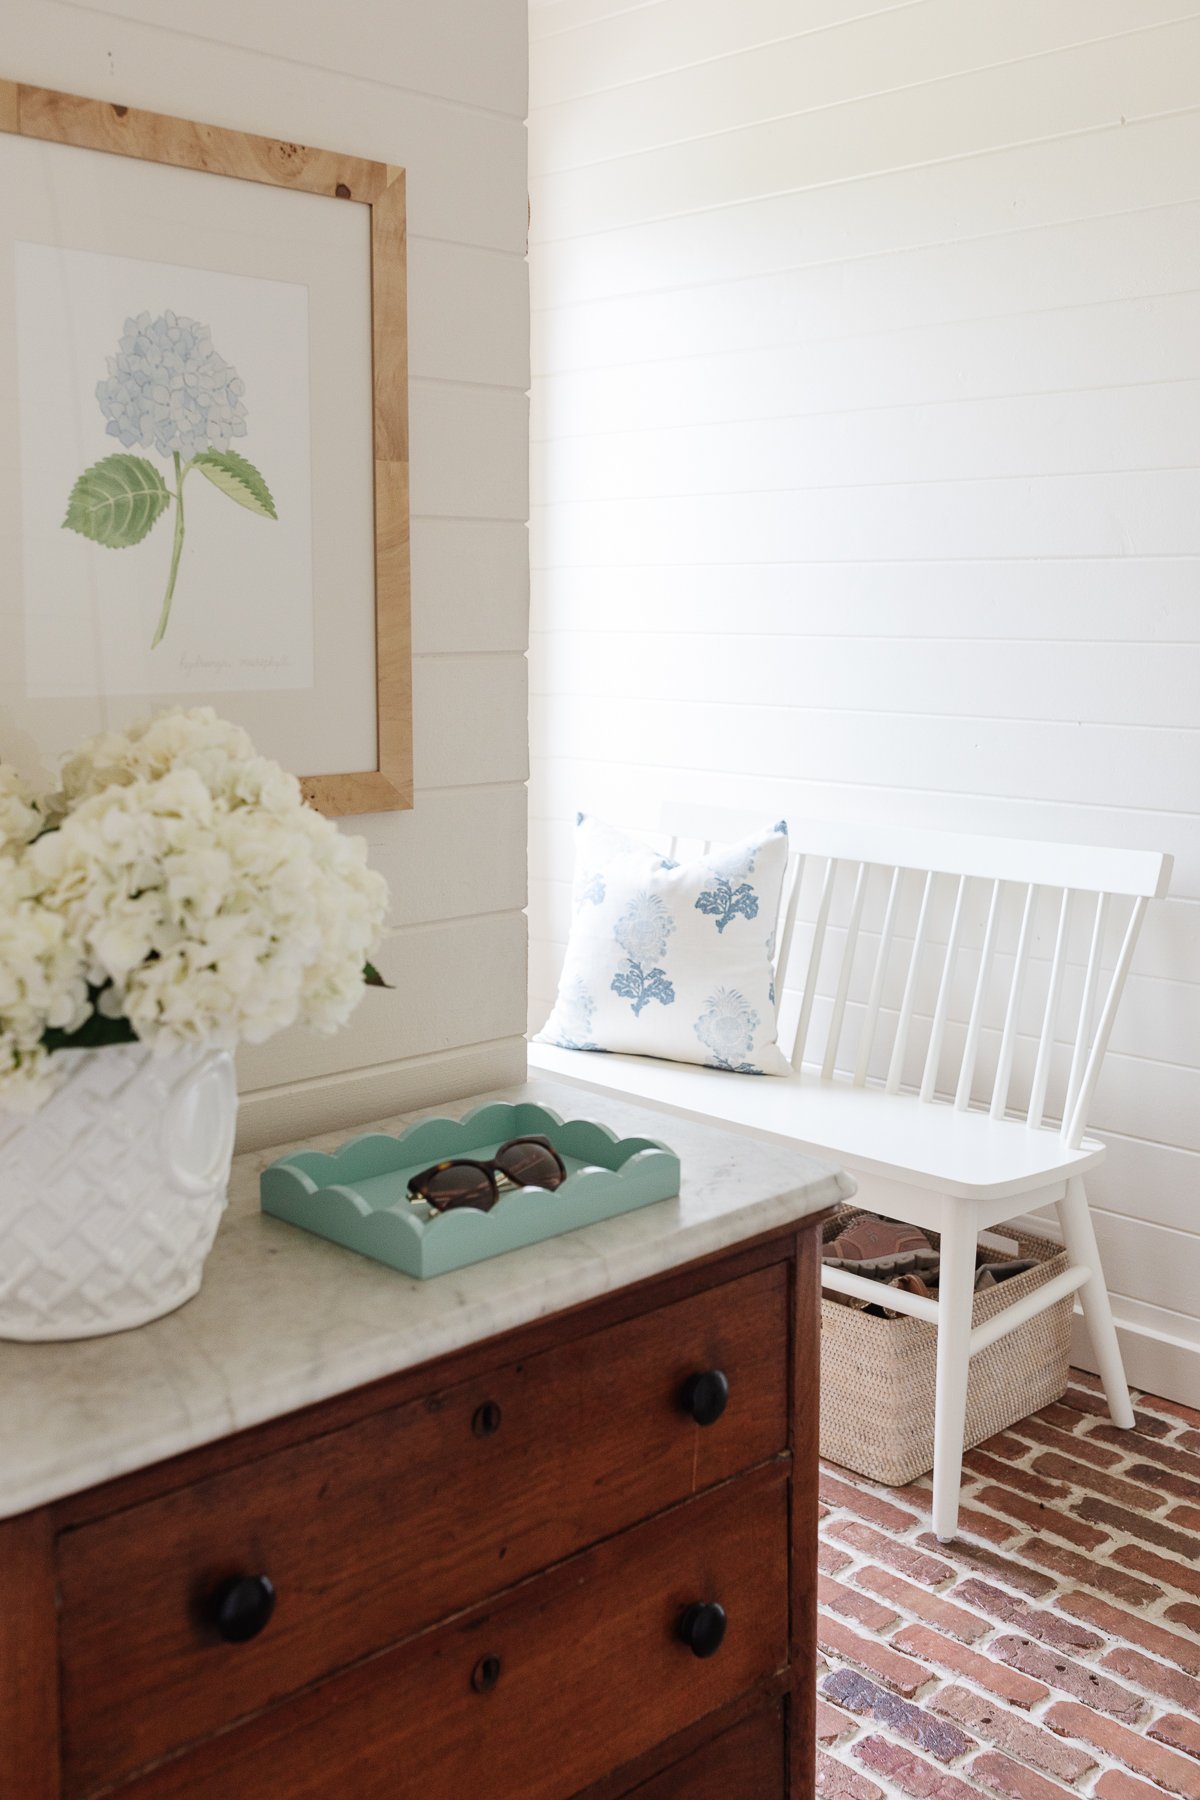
(878,1375)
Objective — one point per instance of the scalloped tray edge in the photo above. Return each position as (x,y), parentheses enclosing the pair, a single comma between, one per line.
(316,1190)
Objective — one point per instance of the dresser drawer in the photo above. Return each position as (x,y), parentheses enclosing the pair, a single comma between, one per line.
(538,1694)
(375,1531)
(747,1762)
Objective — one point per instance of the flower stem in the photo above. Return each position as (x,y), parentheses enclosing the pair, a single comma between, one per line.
(176,553)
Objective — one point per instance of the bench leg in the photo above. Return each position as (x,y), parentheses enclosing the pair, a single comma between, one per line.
(1079,1237)
(956,1294)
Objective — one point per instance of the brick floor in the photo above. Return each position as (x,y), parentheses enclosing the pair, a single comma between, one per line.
(1052,1649)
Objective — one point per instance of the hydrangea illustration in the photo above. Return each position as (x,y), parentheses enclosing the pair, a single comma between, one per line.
(725,902)
(727,1028)
(167,390)
(644,927)
(642,932)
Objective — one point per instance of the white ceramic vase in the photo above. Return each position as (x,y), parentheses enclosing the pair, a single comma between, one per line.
(111,1195)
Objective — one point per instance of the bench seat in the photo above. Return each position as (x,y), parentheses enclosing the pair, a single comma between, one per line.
(896,1136)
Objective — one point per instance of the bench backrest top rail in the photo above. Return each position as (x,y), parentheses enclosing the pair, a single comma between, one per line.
(1082,867)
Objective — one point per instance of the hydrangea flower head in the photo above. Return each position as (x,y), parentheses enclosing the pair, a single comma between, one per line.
(168,390)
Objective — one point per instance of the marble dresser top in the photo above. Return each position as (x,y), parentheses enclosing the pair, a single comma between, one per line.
(285,1319)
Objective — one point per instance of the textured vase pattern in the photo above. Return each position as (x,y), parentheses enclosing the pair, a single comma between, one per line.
(111,1195)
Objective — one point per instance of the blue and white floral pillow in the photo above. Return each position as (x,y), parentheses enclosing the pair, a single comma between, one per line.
(673,959)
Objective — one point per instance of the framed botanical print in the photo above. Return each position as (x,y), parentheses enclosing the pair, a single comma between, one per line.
(203,441)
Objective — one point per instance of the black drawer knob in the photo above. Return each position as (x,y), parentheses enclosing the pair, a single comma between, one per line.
(705,1396)
(702,1628)
(242,1607)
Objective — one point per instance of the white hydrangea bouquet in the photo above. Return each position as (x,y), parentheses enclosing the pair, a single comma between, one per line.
(175,890)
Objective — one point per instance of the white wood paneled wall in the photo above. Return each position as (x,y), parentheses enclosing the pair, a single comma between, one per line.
(866,470)
(441,90)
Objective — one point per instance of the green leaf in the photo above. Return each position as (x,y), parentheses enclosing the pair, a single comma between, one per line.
(372,977)
(96,1032)
(116,501)
(237,478)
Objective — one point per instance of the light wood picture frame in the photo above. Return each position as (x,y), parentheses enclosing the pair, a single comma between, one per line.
(68,119)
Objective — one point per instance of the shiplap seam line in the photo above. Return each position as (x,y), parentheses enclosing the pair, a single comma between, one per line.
(831,106)
(837,262)
(823,562)
(832,412)
(859,637)
(472,518)
(867,487)
(277,54)
(453,1054)
(854,337)
(456,381)
(957,794)
(851,712)
(618,12)
(1122,125)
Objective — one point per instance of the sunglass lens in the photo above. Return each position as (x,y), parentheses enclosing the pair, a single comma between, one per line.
(457,1186)
(530,1165)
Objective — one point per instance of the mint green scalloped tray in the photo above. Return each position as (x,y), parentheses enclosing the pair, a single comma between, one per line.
(358,1194)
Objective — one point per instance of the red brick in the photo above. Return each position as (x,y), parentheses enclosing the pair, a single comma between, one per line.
(1118,1786)
(1145,1424)
(1038,1432)
(1151,1531)
(1170,1773)
(1006,1684)
(1098,1481)
(831,1723)
(836,1782)
(930,1607)
(884,1549)
(1174,1409)
(1062,1416)
(1082,1570)
(1076,1679)
(859,1607)
(1005,1445)
(923,1729)
(1180,1487)
(866,1506)
(1189,1440)
(1184,1613)
(1185,1515)
(1183,1651)
(909,1774)
(988,1562)
(1174,1574)
(1011,1780)
(831,1561)
(1012,1732)
(985,1525)
(1180,1733)
(877,1659)
(1166,1455)
(1040,1517)
(1063,1634)
(1020,1479)
(1172,1684)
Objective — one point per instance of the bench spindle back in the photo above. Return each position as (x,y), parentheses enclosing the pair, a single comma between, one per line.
(951,966)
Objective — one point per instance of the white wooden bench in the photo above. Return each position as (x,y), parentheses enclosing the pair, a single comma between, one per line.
(948,1001)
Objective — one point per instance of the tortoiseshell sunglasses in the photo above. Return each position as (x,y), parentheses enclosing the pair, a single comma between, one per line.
(463,1181)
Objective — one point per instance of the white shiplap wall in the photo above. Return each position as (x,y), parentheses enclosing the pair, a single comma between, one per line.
(442,91)
(866,469)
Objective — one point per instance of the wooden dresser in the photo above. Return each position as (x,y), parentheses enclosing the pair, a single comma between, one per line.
(576,1556)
